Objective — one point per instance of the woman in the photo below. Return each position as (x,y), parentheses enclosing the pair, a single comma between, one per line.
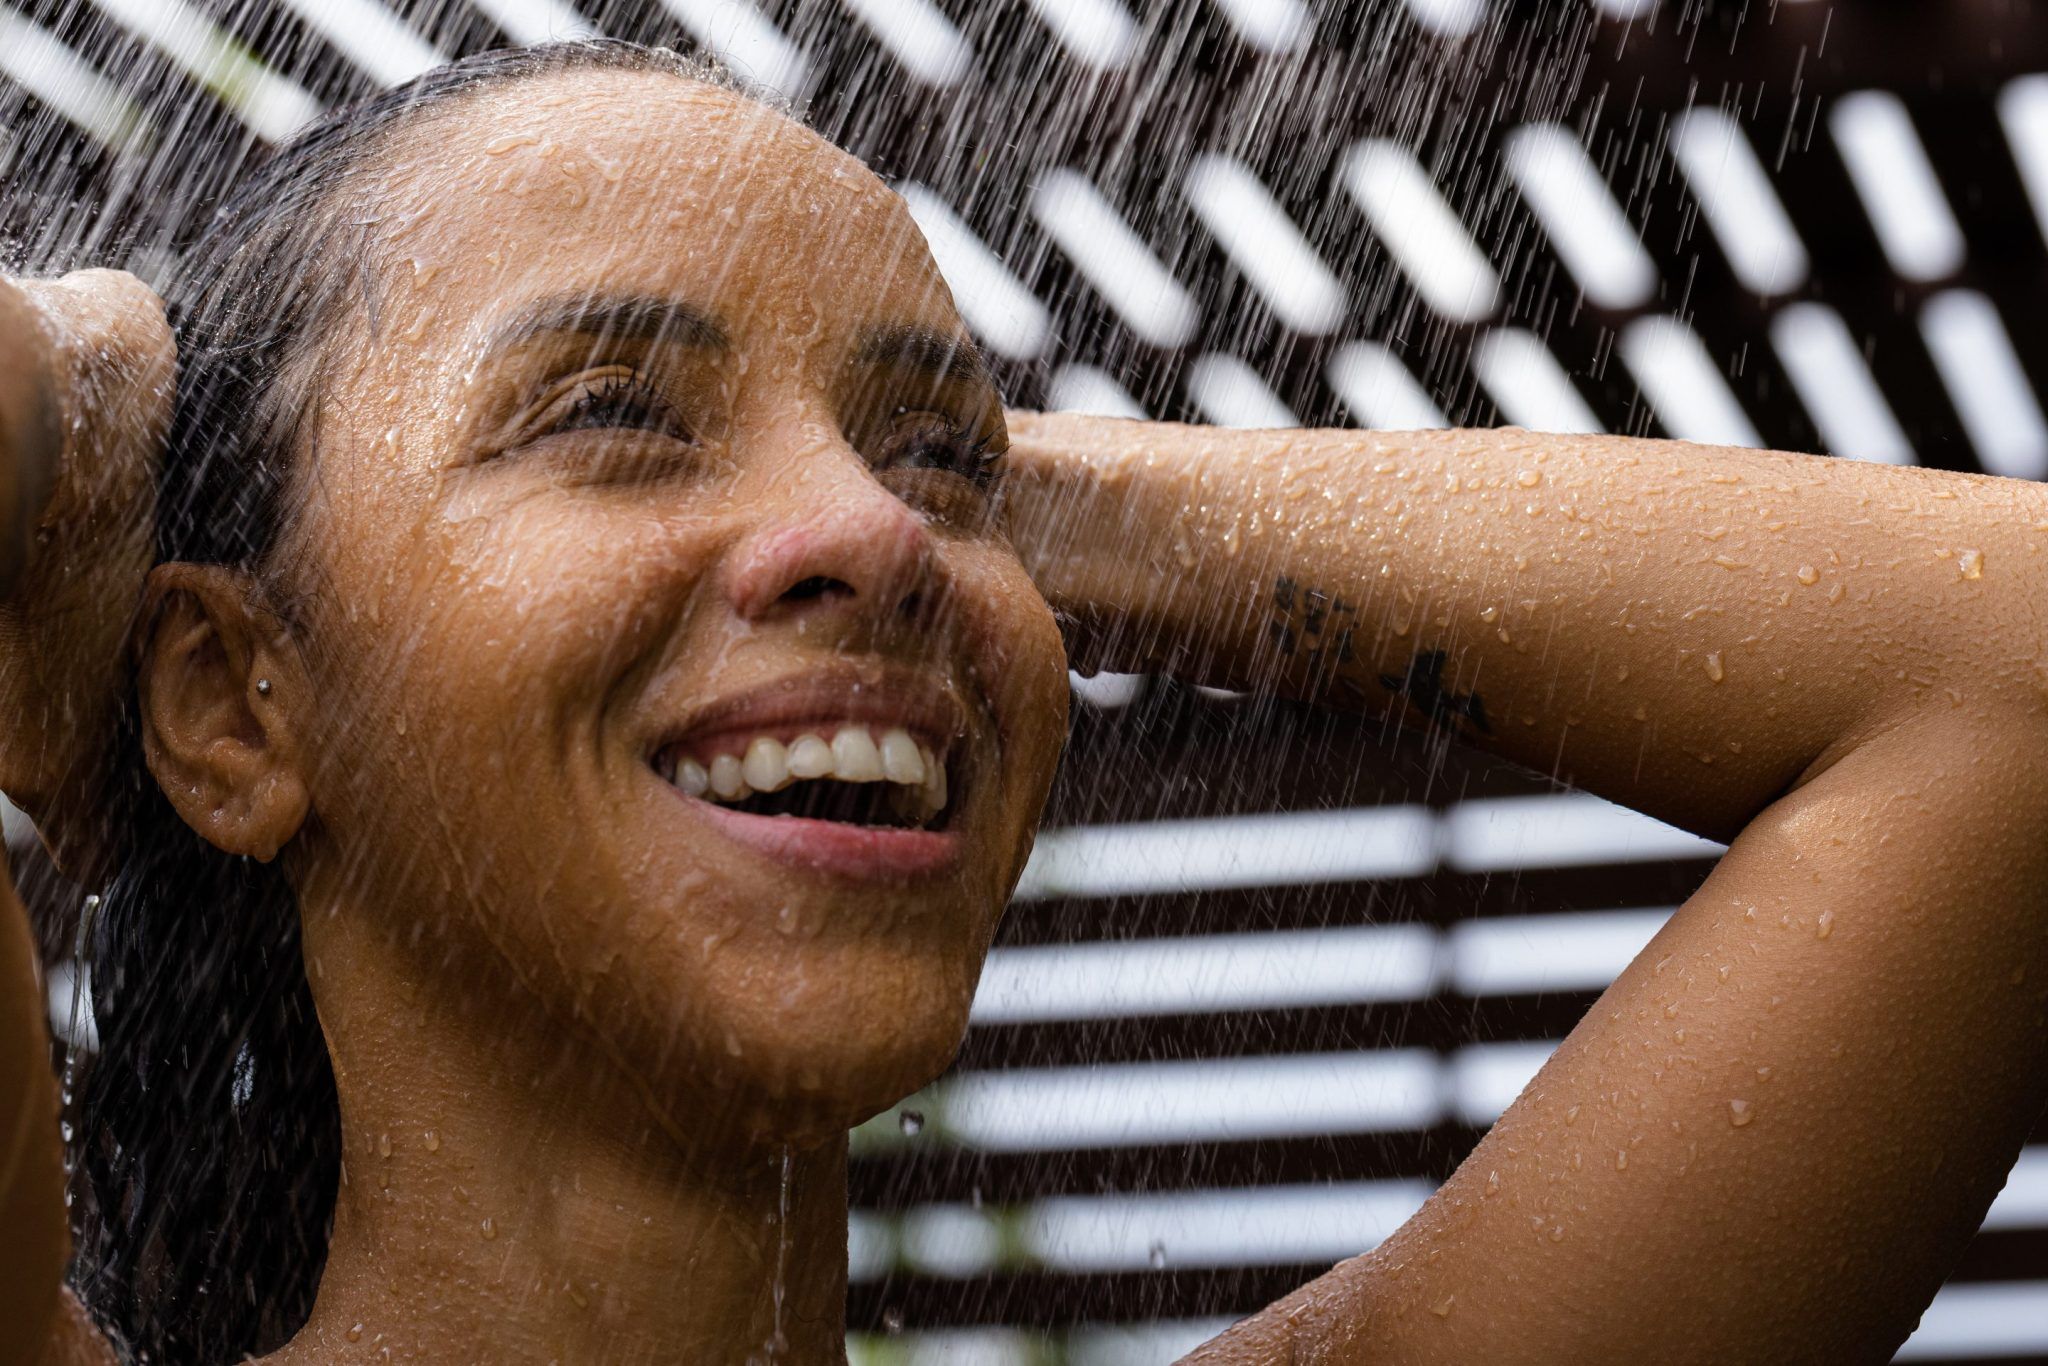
(597,654)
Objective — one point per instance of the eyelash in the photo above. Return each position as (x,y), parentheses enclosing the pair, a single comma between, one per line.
(957,453)
(620,401)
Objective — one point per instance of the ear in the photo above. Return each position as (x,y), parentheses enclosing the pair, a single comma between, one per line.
(219,681)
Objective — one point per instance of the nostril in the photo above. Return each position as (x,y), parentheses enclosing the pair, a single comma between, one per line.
(817,586)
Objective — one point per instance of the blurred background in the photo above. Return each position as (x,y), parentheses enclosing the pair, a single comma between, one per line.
(1273,971)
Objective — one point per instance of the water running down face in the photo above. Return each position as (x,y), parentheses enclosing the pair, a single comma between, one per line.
(663,650)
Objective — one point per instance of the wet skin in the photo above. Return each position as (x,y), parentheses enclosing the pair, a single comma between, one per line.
(665,417)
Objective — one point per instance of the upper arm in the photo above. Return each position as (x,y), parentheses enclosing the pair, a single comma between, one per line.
(37,1241)
(1772,1136)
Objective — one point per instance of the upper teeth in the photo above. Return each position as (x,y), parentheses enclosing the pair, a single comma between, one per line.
(853,755)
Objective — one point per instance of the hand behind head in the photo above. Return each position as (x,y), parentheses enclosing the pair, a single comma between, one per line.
(80,439)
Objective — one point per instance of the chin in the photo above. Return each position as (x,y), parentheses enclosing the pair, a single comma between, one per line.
(800,1048)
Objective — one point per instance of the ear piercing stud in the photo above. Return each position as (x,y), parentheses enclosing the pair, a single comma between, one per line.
(263,687)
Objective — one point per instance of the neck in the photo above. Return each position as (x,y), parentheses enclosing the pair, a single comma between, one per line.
(508,1195)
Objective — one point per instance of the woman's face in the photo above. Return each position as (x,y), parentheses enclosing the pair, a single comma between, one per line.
(659,471)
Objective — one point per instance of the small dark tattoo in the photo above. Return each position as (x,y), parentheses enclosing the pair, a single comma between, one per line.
(1320,629)
(1315,626)
(1423,685)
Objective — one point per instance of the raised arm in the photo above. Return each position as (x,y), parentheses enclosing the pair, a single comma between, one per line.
(1772,1136)
(85,368)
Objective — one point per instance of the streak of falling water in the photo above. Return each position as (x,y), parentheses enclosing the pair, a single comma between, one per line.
(88,916)
(778,1343)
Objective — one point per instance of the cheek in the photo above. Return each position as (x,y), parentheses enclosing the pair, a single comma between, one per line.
(459,665)
(1024,667)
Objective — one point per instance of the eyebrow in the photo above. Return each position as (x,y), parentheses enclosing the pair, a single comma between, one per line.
(615,317)
(940,354)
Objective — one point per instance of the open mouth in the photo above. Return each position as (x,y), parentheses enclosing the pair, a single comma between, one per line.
(851,774)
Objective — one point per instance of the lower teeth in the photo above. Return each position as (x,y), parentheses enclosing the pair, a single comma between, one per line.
(894,806)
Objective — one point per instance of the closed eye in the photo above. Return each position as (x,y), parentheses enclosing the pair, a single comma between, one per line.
(620,400)
(930,441)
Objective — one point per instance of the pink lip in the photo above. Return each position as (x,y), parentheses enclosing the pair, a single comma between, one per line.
(865,853)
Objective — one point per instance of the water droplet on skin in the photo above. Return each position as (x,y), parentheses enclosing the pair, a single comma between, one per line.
(1621,1160)
(1826,926)
(1740,1113)
(490,1230)
(1714,669)
(383,1145)
(1763,1074)
(1557,1233)
(1529,479)
(1970,563)
(1808,575)
(1489,614)
(433,1141)
(1493,1183)
(1442,1308)
(910,1121)
(1571,1116)
(355,1333)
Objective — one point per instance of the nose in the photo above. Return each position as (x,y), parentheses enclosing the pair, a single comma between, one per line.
(854,546)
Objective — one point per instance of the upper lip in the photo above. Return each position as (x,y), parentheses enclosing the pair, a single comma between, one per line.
(922,705)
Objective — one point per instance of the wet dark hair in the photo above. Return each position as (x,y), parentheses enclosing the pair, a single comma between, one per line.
(209,1144)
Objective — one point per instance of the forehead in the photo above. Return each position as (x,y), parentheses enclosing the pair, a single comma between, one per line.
(650,184)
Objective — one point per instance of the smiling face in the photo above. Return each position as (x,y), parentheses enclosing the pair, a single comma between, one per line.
(665,651)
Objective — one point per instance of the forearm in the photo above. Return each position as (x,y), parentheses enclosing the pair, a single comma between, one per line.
(33,1254)
(1689,630)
